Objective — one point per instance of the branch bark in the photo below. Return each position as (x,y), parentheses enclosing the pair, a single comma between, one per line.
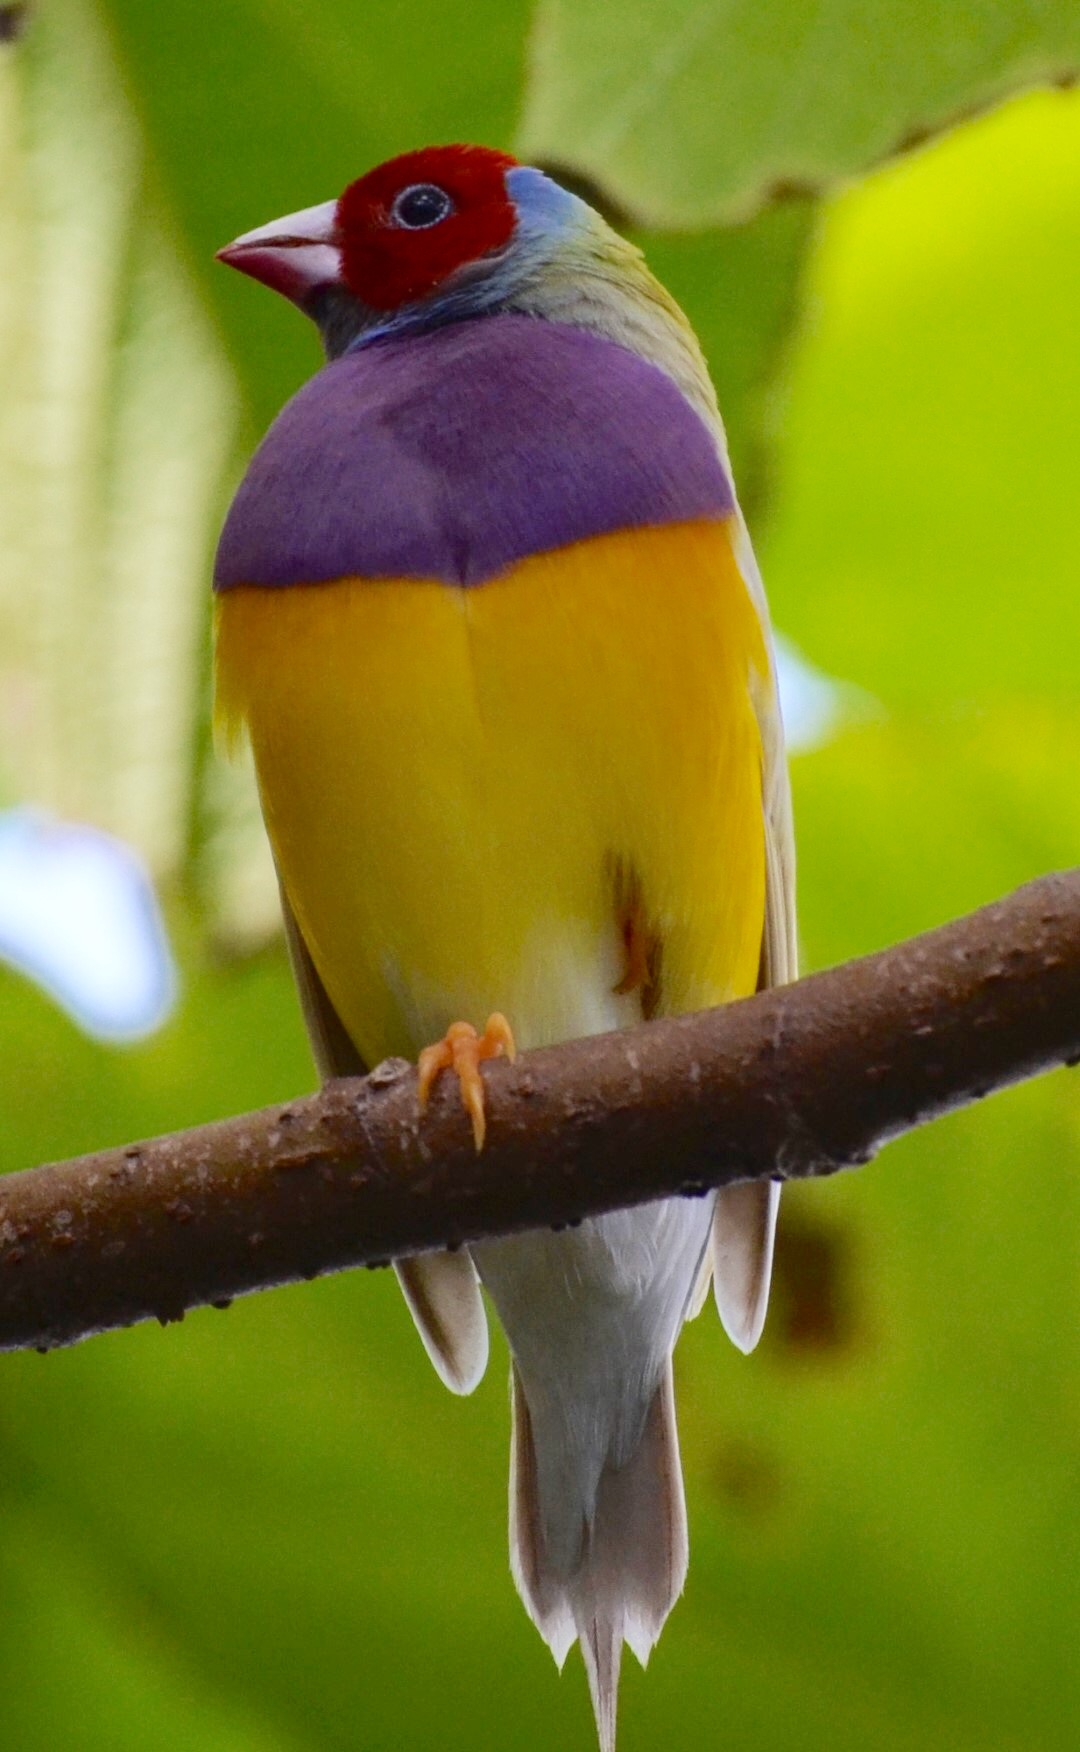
(795,1082)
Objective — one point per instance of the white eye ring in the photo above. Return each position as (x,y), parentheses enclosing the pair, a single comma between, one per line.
(421,206)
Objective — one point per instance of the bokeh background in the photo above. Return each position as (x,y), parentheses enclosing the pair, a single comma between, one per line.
(270,1530)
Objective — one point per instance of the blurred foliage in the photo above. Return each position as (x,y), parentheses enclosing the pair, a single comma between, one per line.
(693,113)
(271,1529)
(105,507)
(285,103)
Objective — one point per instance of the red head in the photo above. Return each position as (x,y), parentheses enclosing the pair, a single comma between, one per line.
(395,234)
(408,224)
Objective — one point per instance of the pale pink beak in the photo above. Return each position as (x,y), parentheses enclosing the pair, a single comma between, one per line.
(294,256)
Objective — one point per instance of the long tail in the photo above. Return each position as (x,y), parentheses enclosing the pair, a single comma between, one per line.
(630,1553)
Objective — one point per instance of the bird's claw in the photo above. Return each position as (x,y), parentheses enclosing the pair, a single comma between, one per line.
(462,1051)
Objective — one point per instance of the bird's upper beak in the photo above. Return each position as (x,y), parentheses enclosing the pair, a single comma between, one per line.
(294,256)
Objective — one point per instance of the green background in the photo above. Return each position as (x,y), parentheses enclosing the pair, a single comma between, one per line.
(271,1528)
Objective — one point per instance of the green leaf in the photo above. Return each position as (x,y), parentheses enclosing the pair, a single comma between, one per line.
(924,539)
(250,111)
(106,504)
(694,113)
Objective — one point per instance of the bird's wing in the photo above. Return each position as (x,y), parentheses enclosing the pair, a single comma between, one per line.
(333,1051)
(441,1289)
(745,1223)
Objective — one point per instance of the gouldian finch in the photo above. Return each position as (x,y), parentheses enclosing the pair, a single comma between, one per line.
(489,614)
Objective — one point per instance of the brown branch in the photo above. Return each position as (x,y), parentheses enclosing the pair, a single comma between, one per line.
(796,1082)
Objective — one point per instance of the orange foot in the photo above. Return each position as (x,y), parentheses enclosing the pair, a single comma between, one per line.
(462,1051)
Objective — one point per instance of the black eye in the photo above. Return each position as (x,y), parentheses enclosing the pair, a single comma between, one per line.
(421,205)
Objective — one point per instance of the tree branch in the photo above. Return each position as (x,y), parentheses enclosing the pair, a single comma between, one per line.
(795,1082)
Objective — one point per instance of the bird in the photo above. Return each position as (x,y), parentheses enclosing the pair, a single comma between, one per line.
(488,614)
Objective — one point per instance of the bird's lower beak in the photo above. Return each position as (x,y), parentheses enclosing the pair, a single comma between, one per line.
(295,256)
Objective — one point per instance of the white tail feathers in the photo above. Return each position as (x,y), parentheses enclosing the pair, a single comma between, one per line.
(443,1294)
(744,1229)
(631,1551)
(601,1646)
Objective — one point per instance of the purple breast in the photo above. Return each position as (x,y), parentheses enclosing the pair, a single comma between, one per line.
(453,455)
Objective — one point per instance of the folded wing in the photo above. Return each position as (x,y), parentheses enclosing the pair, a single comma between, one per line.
(442,1289)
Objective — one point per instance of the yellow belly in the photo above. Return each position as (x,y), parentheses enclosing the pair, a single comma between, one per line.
(450,777)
